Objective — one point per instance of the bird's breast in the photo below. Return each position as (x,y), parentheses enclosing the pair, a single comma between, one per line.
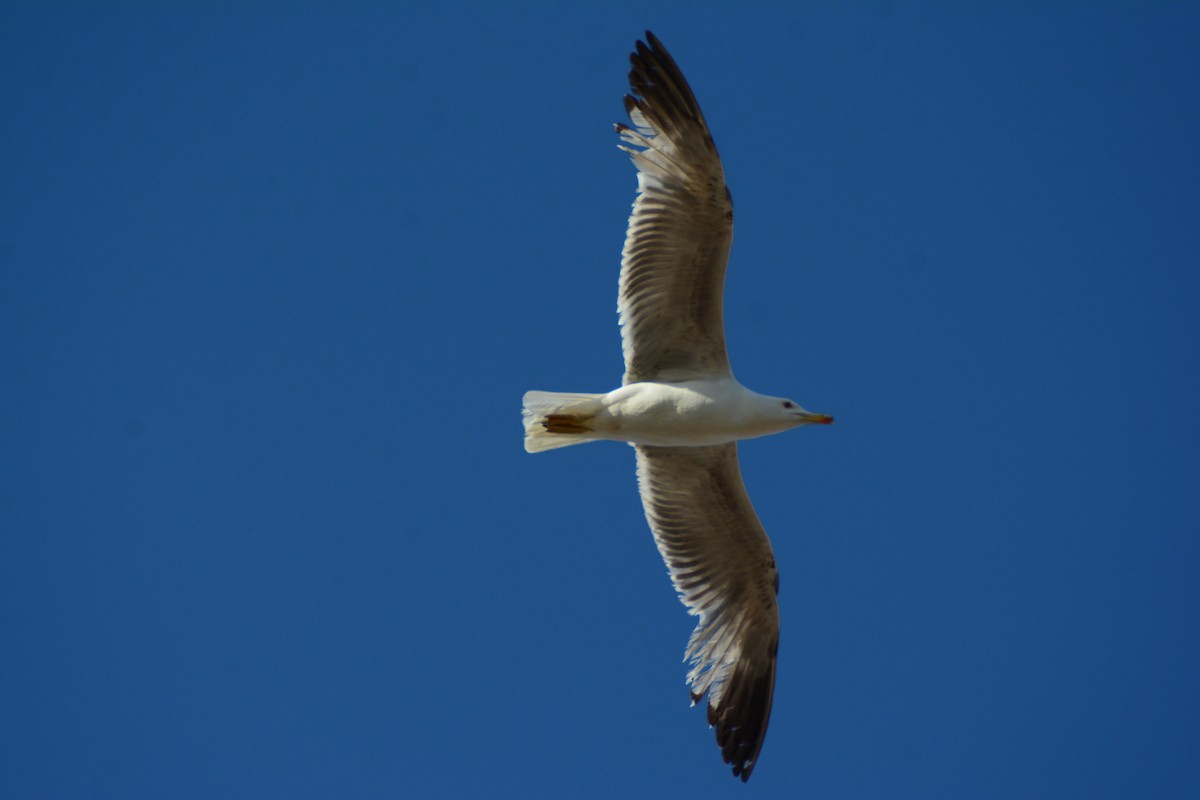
(671,415)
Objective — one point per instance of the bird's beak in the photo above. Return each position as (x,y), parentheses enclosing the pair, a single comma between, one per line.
(815,419)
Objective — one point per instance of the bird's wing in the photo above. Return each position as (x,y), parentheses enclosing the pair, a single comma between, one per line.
(721,563)
(677,243)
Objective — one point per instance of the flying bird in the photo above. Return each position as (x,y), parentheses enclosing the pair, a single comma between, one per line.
(681,408)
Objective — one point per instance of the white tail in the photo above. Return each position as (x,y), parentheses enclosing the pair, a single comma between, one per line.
(558,419)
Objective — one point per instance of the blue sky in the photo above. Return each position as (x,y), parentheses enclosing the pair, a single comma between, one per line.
(273,278)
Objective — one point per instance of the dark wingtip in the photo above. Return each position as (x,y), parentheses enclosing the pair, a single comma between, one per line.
(741,722)
(659,88)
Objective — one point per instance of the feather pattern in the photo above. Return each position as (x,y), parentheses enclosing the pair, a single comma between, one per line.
(721,564)
(680,231)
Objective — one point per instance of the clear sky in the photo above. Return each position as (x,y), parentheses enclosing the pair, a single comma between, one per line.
(273,278)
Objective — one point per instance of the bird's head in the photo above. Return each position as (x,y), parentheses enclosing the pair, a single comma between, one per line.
(795,416)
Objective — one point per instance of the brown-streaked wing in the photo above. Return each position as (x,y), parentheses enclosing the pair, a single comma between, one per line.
(680,231)
(721,564)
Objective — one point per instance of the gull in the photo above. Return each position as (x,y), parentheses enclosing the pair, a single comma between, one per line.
(681,408)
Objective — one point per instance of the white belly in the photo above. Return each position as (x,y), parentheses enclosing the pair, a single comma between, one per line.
(692,414)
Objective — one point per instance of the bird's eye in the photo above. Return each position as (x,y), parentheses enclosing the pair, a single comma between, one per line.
(788,404)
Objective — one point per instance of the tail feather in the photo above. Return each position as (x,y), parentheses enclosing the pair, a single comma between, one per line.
(558,419)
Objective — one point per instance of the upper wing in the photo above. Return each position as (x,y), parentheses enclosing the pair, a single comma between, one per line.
(677,243)
(721,564)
